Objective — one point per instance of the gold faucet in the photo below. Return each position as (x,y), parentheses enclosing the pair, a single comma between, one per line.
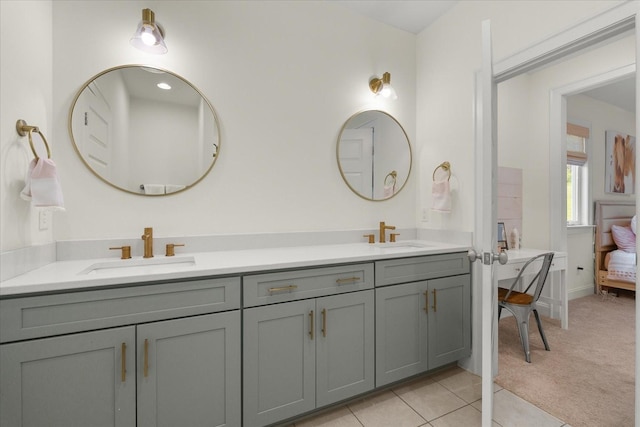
(383,228)
(148,242)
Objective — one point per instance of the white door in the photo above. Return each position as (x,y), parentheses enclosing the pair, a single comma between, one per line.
(486,217)
(637,183)
(589,33)
(356,159)
(96,140)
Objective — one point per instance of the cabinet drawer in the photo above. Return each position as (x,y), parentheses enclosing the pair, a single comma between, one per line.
(512,268)
(46,315)
(270,288)
(404,270)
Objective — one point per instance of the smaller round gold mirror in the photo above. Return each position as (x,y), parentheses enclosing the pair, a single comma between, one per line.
(374,155)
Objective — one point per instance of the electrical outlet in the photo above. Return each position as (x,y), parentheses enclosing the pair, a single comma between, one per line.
(425,215)
(44,220)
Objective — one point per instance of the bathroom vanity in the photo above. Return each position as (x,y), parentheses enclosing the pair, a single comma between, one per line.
(228,338)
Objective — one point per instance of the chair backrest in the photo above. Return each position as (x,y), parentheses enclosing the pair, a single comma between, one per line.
(541,278)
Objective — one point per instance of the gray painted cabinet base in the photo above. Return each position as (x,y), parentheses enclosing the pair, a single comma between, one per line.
(171,354)
(421,326)
(192,376)
(306,354)
(193,371)
(73,380)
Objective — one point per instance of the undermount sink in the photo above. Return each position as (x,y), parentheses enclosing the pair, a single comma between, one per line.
(141,265)
(401,246)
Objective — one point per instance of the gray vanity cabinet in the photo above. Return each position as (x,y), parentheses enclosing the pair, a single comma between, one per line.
(157,355)
(188,371)
(401,332)
(305,354)
(85,379)
(422,324)
(449,320)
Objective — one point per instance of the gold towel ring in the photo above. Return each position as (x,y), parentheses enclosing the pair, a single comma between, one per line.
(24,129)
(445,166)
(393,175)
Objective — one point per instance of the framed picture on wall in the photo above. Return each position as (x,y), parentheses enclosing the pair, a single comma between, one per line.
(620,167)
(502,237)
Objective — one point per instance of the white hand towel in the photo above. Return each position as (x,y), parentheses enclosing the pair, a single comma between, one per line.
(388,191)
(154,189)
(172,188)
(441,196)
(42,185)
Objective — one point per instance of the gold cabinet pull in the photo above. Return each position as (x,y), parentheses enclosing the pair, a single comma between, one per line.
(124,362)
(283,288)
(348,280)
(426,301)
(311,324)
(435,301)
(146,358)
(324,322)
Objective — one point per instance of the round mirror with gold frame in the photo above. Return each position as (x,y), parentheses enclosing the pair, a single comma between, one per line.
(144,130)
(374,155)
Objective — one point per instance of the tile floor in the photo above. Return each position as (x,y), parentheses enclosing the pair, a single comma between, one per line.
(449,398)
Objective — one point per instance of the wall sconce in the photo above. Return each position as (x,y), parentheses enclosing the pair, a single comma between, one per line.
(382,87)
(149,36)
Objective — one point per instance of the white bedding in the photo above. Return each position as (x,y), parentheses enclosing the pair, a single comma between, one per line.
(622,266)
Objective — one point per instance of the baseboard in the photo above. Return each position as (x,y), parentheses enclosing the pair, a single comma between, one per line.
(582,291)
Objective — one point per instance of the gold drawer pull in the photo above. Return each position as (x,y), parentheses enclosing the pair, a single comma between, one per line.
(124,362)
(426,301)
(324,322)
(435,302)
(311,327)
(348,280)
(283,288)
(146,358)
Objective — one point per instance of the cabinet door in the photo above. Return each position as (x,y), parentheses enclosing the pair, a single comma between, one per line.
(74,380)
(449,320)
(189,371)
(345,346)
(279,361)
(401,331)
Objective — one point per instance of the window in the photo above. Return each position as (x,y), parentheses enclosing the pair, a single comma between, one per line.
(577,174)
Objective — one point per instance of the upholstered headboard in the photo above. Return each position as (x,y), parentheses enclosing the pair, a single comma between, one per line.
(610,213)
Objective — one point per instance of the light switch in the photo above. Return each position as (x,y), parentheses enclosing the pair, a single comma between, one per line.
(44,220)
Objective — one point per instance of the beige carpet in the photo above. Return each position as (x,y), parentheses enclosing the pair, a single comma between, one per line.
(587,379)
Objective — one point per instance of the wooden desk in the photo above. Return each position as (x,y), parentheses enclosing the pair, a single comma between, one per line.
(557,297)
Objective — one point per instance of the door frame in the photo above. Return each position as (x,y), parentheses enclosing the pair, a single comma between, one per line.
(558,151)
(602,27)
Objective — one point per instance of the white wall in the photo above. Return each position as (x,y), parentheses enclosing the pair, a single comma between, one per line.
(448,55)
(282,76)
(25,93)
(601,117)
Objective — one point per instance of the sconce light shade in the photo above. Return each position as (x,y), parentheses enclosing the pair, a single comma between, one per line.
(382,87)
(149,37)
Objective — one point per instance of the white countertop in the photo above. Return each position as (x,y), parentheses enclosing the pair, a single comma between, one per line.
(72,275)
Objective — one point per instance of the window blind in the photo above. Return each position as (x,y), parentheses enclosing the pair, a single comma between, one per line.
(577,137)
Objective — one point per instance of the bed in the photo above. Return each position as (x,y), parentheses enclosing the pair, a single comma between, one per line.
(615,268)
